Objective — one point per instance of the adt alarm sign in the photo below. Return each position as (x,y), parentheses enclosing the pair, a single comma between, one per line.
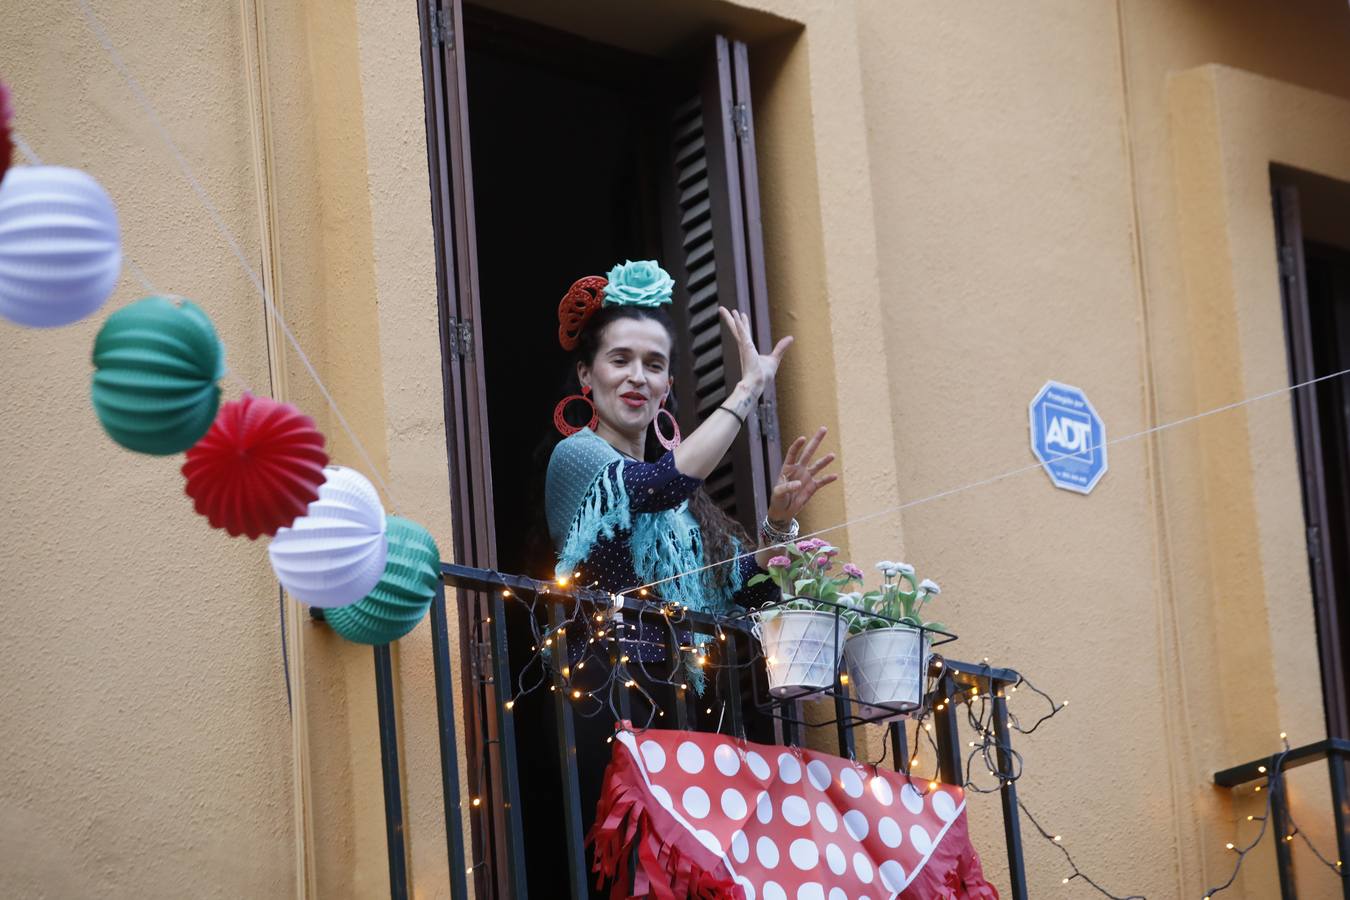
(1068,437)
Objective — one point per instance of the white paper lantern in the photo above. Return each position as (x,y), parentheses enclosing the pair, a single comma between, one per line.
(335,553)
(60,246)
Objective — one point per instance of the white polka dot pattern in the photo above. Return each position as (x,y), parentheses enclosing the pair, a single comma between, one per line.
(796,824)
(690,757)
(695,801)
(795,811)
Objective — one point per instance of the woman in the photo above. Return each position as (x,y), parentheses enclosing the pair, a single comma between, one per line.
(620,522)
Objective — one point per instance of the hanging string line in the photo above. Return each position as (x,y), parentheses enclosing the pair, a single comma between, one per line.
(33,159)
(1012,472)
(186,170)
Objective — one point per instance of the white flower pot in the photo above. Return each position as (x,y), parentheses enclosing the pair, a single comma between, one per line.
(802,649)
(887,669)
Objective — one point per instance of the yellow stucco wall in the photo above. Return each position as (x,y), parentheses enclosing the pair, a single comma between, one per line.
(960,202)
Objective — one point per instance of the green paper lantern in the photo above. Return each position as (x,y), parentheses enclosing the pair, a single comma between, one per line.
(156,364)
(404,593)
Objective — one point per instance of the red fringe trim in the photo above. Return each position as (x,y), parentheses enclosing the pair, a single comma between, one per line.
(672,863)
(953,870)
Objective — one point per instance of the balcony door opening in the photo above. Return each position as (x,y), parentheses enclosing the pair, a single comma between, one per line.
(1314,261)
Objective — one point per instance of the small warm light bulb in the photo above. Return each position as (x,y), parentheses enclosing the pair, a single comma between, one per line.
(708,710)
(772,660)
(1229,845)
(1065,881)
(1251,818)
(581,665)
(599,618)
(576,695)
(843,678)
(927,726)
(562,581)
(932,785)
(1057,838)
(477,801)
(552,687)
(506,593)
(1288,837)
(576,574)
(683,686)
(630,683)
(937,663)
(1261,769)
(609,740)
(642,593)
(510,704)
(1283,735)
(548,643)
(623,658)
(1258,789)
(721,636)
(567,672)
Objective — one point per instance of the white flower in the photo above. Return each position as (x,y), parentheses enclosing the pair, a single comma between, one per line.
(905,569)
(884,565)
(851,598)
(930,586)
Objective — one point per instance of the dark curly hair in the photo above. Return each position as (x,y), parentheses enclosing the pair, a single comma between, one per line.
(723,536)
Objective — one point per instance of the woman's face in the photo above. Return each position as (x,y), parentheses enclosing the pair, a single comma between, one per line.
(630,375)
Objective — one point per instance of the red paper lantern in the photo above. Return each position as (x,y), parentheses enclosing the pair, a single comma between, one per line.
(258,468)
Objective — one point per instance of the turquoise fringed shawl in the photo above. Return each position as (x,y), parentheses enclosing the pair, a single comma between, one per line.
(585,500)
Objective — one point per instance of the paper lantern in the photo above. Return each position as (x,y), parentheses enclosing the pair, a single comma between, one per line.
(257,469)
(60,246)
(335,553)
(6,145)
(156,364)
(404,593)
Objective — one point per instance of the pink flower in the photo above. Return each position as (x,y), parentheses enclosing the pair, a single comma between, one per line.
(810,545)
(830,551)
(852,571)
(822,561)
(779,562)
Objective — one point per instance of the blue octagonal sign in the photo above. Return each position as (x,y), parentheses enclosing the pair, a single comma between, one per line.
(1068,437)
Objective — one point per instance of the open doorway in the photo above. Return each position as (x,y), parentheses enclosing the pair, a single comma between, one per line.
(1314,259)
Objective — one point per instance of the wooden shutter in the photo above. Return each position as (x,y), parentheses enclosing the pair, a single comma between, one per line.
(489,732)
(1322,554)
(714,249)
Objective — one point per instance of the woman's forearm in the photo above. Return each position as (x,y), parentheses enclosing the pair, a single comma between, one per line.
(700,452)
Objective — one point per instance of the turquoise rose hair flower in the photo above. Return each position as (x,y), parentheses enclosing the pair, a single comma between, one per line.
(641,283)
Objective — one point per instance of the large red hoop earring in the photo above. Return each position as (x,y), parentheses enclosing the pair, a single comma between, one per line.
(670,443)
(561,424)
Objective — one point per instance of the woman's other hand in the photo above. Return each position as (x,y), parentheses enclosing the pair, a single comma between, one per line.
(799,479)
(757,369)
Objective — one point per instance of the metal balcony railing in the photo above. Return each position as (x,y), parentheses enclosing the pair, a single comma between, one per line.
(537,833)
(1269,771)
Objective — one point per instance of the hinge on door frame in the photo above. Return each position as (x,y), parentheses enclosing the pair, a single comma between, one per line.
(442,25)
(740,120)
(1286,261)
(460,339)
(768,420)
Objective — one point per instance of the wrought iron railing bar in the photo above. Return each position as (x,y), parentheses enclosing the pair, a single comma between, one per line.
(567,763)
(506,748)
(1299,756)
(950,768)
(1012,827)
(899,745)
(726,646)
(1279,822)
(1340,805)
(445,720)
(393,792)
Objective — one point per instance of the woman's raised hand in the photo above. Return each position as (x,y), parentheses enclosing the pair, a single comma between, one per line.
(757,369)
(800,478)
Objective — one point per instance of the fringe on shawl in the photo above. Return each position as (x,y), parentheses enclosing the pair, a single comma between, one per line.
(953,871)
(671,862)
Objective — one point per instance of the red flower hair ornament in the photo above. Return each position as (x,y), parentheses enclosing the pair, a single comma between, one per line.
(258,468)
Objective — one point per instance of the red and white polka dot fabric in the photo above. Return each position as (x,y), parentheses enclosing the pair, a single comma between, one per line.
(712,816)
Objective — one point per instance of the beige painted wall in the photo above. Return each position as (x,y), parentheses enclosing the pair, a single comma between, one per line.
(960,202)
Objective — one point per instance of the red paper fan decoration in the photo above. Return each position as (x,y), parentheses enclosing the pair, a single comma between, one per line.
(6,147)
(582,299)
(258,468)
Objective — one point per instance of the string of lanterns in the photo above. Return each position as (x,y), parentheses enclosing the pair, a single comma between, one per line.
(253,466)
